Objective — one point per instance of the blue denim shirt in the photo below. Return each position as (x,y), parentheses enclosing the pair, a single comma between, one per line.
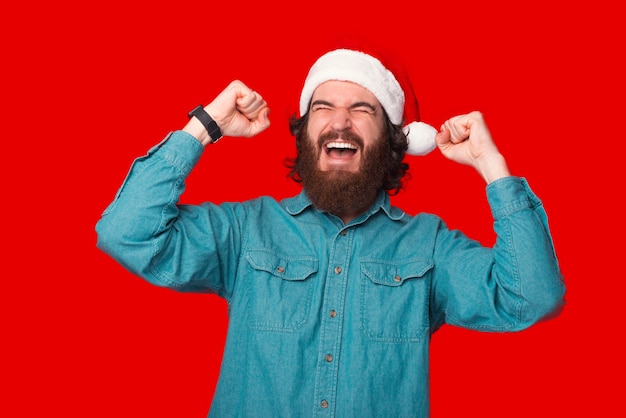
(327,319)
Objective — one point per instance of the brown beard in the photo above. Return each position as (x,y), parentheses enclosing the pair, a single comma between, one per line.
(341,192)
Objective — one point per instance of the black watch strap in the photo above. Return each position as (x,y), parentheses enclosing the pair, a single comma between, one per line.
(209,124)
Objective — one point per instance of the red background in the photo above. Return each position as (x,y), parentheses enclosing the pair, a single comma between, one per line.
(87,88)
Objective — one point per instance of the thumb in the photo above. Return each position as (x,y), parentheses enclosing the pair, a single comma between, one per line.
(443,137)
(261,122)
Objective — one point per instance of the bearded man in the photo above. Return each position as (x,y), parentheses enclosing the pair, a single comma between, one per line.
(334,293)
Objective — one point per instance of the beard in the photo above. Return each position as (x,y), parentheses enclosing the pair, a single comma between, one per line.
(342,192)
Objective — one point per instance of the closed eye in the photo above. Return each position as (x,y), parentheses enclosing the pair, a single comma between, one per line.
(363,109)
(356,108)
(317,106)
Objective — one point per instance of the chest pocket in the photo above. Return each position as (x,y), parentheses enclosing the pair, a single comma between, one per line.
(280,290)
(394,299)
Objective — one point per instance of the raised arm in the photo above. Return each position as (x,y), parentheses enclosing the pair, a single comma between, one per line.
(185,247)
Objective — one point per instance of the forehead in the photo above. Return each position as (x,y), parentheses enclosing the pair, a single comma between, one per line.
(342,93)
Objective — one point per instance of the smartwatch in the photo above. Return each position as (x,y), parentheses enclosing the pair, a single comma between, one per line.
(207,121)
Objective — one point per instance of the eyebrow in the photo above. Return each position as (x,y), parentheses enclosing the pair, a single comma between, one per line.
(352,106)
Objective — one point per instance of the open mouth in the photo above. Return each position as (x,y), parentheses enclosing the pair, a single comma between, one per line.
(336,149)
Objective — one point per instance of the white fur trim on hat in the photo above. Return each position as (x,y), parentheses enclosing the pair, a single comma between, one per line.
(359,68)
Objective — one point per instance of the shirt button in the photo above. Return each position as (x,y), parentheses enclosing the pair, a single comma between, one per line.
(329,358)
(333,313)
(397,279)
(344,232)
(324,404)
(280,269)
(338,270)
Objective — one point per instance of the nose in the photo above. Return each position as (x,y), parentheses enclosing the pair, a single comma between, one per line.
(341,119)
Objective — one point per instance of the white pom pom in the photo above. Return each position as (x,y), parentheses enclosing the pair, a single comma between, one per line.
(421,138)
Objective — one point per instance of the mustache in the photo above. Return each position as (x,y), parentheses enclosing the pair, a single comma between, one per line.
(348,136)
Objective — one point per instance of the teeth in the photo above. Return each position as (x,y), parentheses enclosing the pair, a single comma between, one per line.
(343,145)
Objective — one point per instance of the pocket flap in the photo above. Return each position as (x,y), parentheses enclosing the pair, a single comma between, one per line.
(395,273)
(287,268)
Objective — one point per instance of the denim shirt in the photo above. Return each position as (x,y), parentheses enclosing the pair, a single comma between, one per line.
(327,319)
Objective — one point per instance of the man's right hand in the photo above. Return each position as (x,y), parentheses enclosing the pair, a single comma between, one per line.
(238,111)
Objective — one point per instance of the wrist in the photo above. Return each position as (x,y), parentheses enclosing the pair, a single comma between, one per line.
(210,126)
(493,167)
(195,128)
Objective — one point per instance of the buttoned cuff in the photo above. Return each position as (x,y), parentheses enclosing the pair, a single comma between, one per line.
(180,149)
(510,194)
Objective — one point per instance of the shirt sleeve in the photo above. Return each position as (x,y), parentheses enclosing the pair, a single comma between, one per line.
(183,247)
(510,286)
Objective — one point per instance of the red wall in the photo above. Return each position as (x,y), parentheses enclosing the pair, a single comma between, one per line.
(89,88)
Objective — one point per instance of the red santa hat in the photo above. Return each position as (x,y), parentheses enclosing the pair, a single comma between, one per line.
(384,78)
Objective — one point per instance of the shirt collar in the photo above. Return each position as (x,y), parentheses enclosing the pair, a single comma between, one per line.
(300,202)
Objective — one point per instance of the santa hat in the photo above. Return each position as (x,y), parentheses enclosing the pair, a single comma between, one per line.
(384,78)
